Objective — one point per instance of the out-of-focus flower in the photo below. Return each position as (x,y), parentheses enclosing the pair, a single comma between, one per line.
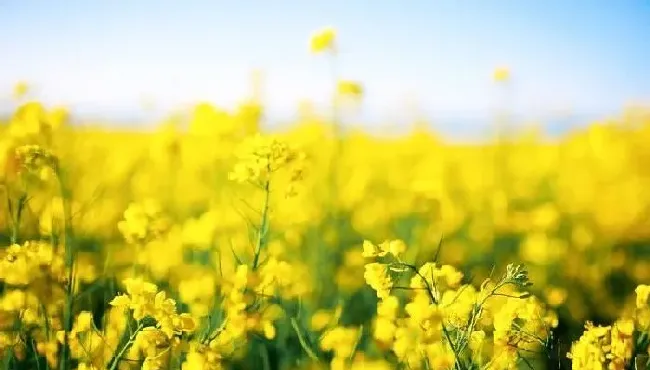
(501,74)
(349,89)
(323,40)
(20,89)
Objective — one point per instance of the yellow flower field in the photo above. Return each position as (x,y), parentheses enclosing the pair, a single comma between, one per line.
(213,244)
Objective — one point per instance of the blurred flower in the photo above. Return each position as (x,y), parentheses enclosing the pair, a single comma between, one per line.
(323,40)
(501,74)
(349,89)
(20,90)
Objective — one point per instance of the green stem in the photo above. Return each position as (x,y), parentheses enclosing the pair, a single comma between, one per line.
(464,340)
(69,264)
(264,224)
(126,346)
(15,219)
(14,228)
(429,288)
(303,342)
(356,345)
(35,350)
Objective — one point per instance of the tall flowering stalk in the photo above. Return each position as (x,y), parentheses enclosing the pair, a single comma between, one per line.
(324,42)
(259,158)
(35,158)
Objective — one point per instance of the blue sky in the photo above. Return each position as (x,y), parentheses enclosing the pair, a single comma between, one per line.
(105,57)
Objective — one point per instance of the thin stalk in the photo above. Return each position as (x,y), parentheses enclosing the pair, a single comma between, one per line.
(432,297)
(264,352)
(337,132)
(356,345)
(127,345)
(264,224)
(478,310)
(14,231)
(15,219)
(303,342)
(38,363)
(335,80)
(69,264)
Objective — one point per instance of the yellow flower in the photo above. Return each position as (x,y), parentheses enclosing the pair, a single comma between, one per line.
(394,247)
(388,307)
(35,157)
(49,350)
(349,89)
(20,89)
(406,340)
(384,330)
(370,250)
(592,349)
(121,300)
(185,322)
(153,363)
(376,275)
(642,295)
(84,322)
(555,296)
(320,319)
(476,340)
(501,74)
(323,40)
(340,340)
(142,221)
(163,306)
(60,336)
(260,156)
(441,356)
(138,287)
(425,316)
(452,276)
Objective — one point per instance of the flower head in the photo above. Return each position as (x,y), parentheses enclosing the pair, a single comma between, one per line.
(501,74)
(260,156)
(20,89)
(349,89)
(323,40)
(35,157)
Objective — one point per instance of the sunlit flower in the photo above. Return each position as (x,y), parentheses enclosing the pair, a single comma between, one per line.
(501,74)
(323,40)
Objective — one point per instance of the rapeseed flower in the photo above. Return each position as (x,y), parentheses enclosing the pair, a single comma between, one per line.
(323,40)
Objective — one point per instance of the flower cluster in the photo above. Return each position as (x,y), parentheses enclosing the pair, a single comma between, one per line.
(604,347)
(35,158)
(34,260)
(143,222)
(160,328)
(618,346)
(260,156)
(144,300)
(245,313)
(445,323)
(342,341)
